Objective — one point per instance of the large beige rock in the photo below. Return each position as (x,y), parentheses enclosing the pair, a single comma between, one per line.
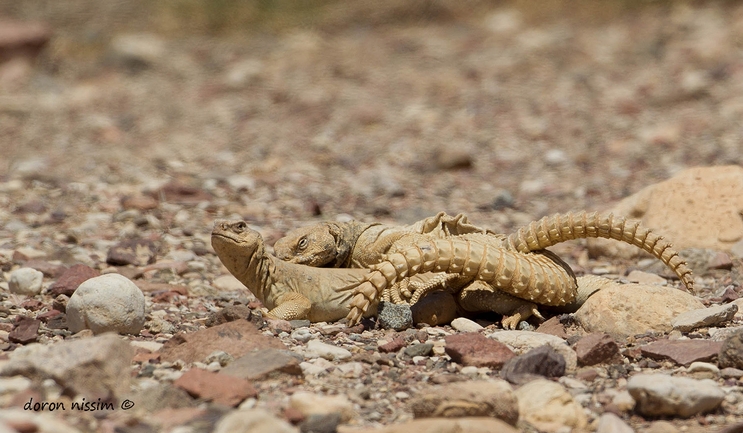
(622,310)
(698,208)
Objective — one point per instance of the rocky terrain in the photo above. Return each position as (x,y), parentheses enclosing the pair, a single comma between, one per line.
(126,136)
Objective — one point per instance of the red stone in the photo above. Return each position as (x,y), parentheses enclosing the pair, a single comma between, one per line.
(596,348)
(215,387)
(472,348)
(396,344)
(69,281)
(25,331)
(683,352)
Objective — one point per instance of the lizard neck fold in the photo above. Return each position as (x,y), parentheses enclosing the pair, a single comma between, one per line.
(346,237)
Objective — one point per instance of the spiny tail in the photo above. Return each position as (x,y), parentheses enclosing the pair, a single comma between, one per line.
(557,228)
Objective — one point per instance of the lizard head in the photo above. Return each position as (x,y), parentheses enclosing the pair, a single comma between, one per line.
(312,245)
(236,244)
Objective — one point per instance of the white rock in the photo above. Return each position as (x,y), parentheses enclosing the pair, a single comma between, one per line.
(523,341)
(228,283)
(664,395)
(253,421)
(464,324)
(699,366)
(327,351)
(610,423)
(25,281)
(108,303)
(302,335)
(315,404)
(549,407)
(704,317)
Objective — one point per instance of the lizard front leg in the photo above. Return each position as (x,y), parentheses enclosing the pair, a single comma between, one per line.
(291,306)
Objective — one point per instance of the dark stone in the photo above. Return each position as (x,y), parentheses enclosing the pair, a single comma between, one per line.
(321,423)
(540,361)
(229,314)
(394,316)
(731,352)
(422,349)
(596,348)
(136,252)
(69,281)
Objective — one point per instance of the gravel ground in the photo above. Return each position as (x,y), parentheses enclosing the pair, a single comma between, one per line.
(504,113)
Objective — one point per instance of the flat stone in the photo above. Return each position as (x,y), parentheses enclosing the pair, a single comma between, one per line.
(623,310)
(596,348)
(236,338)
(682,352)
(93,367)
(253,421)
(69,281)
(136,252)
(704,317)
(463,324)
(642,277)
(262,363)
(327,351)
(541,361)
(308,403)
(491,398)
(443,425)
(217,387)
(25,331)
(523,341)
(474,349)
(552,326)
(549,407)
(664,395)
(395,345)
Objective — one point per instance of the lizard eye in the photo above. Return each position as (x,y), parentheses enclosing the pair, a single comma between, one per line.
(240,226)
(302,244)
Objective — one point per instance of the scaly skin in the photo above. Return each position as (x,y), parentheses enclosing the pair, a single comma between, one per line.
(288,290)
(476,257)
(354,244)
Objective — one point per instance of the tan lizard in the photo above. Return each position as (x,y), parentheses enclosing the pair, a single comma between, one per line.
(292,291)
(476,257)
(360,245)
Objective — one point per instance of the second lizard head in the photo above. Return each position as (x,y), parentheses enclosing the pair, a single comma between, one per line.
(313,245)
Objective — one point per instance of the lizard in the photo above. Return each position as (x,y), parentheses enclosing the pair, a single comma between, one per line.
(475,257)
(293,291)
(359,245)
(338,244)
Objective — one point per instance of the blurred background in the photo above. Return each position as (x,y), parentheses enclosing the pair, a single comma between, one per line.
(283,110)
